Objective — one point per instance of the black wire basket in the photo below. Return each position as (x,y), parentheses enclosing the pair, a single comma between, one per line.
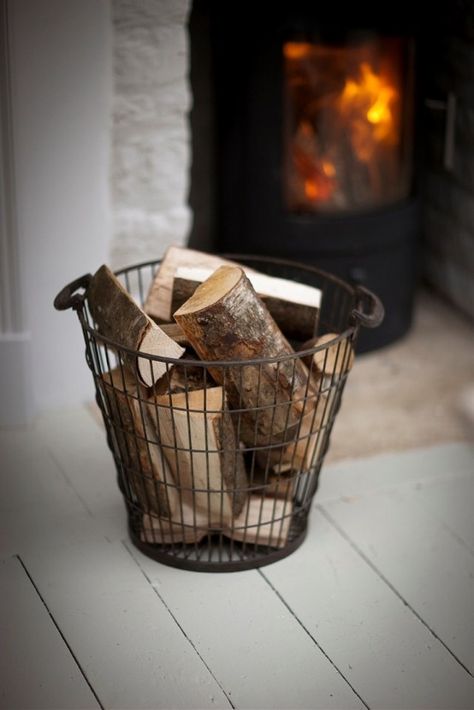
(206,485)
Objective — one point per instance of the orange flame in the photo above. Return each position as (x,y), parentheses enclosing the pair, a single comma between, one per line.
(365,111)
(368,104)
(297,50)
(311,189)
(316,176)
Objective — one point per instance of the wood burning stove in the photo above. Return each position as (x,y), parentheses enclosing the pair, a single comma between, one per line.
(314,150)
(347,132)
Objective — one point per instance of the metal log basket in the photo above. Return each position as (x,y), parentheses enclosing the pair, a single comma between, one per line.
(168,445)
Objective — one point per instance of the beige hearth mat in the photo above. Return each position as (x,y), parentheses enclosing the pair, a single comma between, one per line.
(416,392)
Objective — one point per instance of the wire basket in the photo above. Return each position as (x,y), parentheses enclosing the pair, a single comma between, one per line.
(211,484)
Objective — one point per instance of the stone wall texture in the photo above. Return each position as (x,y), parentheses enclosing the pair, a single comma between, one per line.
(150,132)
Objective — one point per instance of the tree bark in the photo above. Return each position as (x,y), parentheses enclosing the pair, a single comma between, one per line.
(119,318)
(225,320)
(158,300)
(295,309)
(174,332)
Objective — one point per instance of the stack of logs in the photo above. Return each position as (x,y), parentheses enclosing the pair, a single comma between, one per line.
(215,446)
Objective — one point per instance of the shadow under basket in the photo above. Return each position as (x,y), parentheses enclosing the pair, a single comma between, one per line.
(213,481)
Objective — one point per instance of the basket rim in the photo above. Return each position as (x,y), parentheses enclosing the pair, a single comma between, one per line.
(345,335)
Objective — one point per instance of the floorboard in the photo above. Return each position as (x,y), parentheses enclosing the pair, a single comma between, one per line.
(37,669)
(451,501)
(77,444)
(260,654)
(36,501)
(419,557)
(129,646)
(375,639)
(374,610)
(358,476)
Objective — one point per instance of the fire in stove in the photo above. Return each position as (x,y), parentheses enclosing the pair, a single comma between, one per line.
(345,126)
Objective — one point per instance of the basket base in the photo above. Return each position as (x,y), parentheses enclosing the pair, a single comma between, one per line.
(188,556)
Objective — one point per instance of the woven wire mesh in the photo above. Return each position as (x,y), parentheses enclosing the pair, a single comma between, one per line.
(219,481)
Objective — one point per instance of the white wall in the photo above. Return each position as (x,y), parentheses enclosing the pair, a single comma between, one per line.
(150,135)
(61,105)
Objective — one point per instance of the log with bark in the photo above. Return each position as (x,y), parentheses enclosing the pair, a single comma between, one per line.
(329,365)
(148,478)
(183,377)
(335,360)
(274,485)
(293,306)
(200,444)
(119,318)
(158,301)
(174,332)
(225,320)
(326,365)
(311,439)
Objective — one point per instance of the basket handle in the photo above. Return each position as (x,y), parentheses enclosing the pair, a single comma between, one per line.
(376,312)
(67,298)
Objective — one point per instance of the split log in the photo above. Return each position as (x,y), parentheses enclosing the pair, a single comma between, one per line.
(201,446)
(183,377)
(189,525)
(312,438)
(274,485)
(226,320)
(263,521)
(337,359)
(174,332)
(158,301)
(293,306)
(145,468)
(119,318)
(301,454)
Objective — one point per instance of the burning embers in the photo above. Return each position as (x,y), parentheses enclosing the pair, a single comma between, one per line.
(344,126)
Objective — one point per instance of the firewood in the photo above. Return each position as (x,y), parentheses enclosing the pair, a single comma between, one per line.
(293,306)
(329,364)
(200,444)
(174,332)
(274,485)
(263,521)
(312,437)
(183,287)
(226,320)
(183,377)
(302,453)
(119,318)
(189,525)
(145,467)
(337,359)
(158,301)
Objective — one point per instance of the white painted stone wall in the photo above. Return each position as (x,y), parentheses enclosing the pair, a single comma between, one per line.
(150,134)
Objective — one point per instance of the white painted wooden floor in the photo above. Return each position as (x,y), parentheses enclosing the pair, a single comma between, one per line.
(375,610)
